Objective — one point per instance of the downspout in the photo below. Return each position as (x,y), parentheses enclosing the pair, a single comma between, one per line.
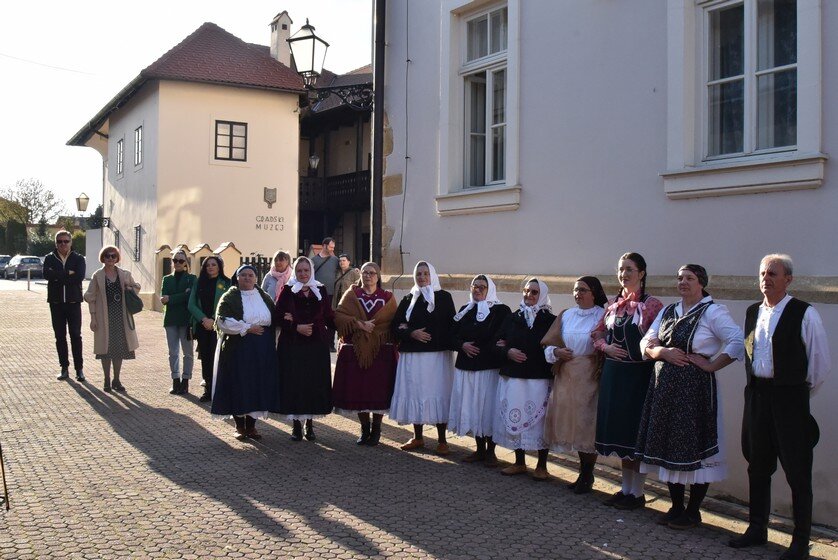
(377,135)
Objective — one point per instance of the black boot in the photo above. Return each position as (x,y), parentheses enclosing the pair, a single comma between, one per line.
(184,387)
(375,431)
(365,434)
(175,387)
(297,431)
(310,431)
(585,482)
(207,396)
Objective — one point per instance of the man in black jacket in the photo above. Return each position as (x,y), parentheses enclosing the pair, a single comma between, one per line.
(64,271)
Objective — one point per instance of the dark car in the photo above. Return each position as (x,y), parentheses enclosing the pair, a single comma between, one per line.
(4,260)
(20,264)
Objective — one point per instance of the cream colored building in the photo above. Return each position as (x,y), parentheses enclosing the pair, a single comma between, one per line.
(202,148)
(548,138)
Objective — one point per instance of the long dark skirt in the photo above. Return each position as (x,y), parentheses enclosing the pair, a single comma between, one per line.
(305,379)
(207,341)
(246,380)
(622,392)
(364,389)
(678,427)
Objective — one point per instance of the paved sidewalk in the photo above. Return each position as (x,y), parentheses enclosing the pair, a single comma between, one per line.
(150,475)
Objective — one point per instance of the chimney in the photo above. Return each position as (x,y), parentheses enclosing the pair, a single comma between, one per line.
(280,32)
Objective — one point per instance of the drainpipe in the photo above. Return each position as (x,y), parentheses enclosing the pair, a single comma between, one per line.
(377,134)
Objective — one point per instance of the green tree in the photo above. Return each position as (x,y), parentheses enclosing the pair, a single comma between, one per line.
(80,242)
(95,221)
(36,200)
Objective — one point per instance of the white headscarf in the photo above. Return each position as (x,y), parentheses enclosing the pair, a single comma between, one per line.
(542,303)
(313,284)
(426,291)
(483,307)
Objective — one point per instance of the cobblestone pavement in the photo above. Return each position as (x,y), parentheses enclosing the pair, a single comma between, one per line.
(149,475)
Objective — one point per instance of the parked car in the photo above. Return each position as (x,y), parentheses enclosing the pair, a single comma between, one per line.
(4,260)
(17,267)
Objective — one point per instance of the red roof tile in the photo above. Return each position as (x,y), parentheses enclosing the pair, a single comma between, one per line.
(211,54)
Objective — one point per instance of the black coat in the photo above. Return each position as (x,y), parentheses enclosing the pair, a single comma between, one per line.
(437,323)
(481,334)
(528,340)
(63,287)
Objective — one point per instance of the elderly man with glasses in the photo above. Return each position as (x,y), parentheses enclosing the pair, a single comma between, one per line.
(64,271)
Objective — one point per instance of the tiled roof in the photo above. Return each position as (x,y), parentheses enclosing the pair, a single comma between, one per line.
(209,55)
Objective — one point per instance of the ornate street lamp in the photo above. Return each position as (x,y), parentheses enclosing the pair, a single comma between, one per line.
(313,162)
(309,52)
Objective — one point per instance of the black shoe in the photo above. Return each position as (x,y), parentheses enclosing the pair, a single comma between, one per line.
(631,502)
(686,520)
(117,386)
(184,387)
(751,537)
(799,550)
(375,434)
(310,431)
(584,485)
(614,499)
(670,516)
(206,397)
(64,375)
(365,434)
(175,387)
(297,431)
(80,376)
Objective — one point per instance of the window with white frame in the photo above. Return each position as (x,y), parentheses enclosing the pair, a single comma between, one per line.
(138,146)
(744,88)
(484,74)
(120,155)
(751,78)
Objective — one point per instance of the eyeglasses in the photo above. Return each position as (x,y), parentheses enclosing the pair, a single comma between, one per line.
(479,288)
(179,261)
(62,242)
(580,290)
(110,256)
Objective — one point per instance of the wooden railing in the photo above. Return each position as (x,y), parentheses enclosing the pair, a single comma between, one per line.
(350,191)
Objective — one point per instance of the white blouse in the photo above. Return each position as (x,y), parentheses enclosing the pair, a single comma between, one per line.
(256,312)
(716,331)
(577,325)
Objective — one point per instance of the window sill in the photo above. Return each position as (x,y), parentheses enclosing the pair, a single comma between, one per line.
(774,174)
(479,201)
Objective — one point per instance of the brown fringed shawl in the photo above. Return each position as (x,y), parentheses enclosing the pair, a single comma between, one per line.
(366,345)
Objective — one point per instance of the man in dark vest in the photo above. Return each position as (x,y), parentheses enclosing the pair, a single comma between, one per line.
(64,271)
(786,359)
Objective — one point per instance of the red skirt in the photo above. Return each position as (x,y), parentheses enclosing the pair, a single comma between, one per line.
(358,389)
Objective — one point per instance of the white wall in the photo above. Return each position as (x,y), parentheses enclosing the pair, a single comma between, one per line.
(593,125)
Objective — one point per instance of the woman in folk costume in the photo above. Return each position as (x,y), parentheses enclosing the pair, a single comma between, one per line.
(474,395)
(245,385)
(625,376)
(365,372)
(570,424)
(304,313)
(524,384)
(679,438)
(425,371)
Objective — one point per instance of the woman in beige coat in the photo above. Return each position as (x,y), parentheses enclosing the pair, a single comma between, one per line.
(114,338)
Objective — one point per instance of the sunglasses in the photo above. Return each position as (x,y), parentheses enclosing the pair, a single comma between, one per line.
(110,256)
(179,261)
(62,242)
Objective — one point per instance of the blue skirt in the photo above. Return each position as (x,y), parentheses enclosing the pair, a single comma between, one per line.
(622,392)
(247,380)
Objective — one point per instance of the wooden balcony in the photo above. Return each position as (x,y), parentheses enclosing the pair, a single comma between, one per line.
(350,191)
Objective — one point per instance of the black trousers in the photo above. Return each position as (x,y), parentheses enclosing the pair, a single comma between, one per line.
(777,424)
(67,317)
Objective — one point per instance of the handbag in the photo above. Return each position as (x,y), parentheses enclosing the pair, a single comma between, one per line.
(133,303)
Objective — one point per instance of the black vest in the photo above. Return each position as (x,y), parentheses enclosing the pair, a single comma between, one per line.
(788,349)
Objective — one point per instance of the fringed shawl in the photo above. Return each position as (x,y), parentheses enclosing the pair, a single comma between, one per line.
(366,345)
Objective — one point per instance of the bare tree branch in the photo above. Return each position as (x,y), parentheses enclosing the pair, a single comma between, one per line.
(38,201)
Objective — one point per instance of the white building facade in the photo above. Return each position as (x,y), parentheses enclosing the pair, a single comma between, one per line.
(549,137)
